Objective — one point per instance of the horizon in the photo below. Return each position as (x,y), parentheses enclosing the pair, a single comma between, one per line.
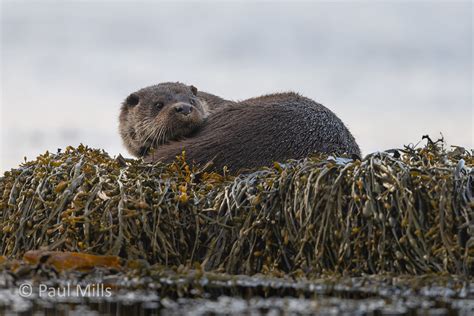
(392,71)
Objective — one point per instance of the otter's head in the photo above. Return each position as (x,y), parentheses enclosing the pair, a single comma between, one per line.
(157,114)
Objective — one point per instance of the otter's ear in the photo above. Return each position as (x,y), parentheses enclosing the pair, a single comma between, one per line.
(194,90)
(132,100)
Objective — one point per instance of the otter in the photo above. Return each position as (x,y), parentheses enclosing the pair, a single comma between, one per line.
(160,121)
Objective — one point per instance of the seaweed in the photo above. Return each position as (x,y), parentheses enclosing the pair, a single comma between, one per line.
(408,210)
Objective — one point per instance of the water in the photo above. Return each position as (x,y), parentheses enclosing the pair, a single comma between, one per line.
(194,293)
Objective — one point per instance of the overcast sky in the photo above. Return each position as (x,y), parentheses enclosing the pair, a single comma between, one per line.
(391,70)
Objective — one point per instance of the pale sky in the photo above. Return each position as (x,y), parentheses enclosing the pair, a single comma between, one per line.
(391,70)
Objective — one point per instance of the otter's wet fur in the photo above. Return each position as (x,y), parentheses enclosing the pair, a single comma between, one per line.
(152,116)
(251,133)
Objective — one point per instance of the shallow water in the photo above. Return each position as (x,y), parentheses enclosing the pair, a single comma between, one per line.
(220,294)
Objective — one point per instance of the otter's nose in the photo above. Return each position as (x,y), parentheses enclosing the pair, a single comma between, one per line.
(184,109)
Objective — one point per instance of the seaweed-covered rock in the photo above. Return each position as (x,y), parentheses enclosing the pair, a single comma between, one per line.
(401,211)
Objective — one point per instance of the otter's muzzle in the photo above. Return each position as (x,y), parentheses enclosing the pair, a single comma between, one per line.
(183,108)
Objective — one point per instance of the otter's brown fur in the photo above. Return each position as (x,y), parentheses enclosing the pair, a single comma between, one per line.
(152,116)
(258,131)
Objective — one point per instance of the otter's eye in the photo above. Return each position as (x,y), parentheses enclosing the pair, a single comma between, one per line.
(159,105)
(192,101)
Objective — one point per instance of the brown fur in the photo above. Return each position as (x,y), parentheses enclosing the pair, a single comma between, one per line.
(149,117)
(258,131)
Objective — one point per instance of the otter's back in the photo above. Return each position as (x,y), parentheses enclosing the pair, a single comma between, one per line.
(258,131)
